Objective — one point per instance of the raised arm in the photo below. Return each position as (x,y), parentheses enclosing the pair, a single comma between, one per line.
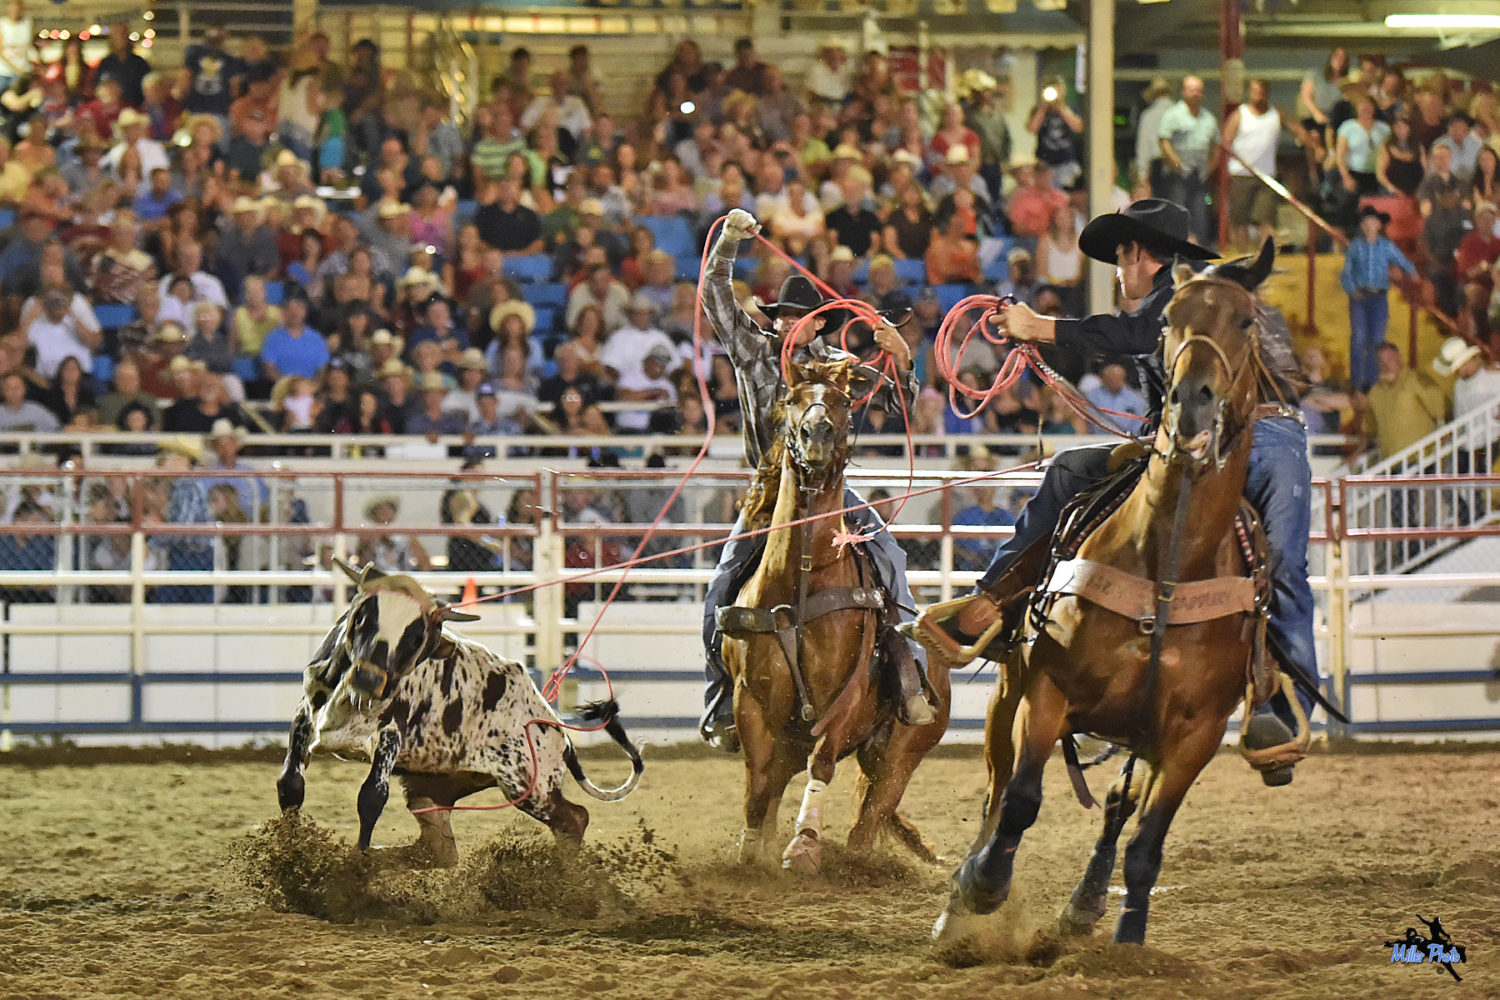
(741,337)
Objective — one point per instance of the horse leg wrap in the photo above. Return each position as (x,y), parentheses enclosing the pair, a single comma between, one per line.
(810,818)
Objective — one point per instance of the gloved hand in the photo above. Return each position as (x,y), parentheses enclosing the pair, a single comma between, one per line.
(740,225)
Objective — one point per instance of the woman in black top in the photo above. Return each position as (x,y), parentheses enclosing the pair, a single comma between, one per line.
(69,393)
(1401,162)
(909,229)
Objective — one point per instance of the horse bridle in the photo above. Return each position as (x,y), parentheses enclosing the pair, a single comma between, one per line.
(1219,448)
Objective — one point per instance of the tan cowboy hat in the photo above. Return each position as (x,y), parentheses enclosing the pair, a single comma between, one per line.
(841,253)
(513,307)
(433,382)
(384,336)
(472,357)
(845,151)
(170,331)
(194,121)
(129,117)
(591,206)
(393,368)
(414,275)
(1454,354)
(224,429)
(287,158)
(380,500)
(957,154)
(244,204)
(186,445)
(309,202)
(392,209)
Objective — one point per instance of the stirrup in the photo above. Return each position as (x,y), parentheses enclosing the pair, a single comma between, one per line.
(944,647)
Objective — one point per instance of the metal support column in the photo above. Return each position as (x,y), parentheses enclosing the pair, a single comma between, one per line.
(1231,93)
(1101,136)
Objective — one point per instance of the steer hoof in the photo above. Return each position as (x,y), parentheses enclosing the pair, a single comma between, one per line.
(804,855)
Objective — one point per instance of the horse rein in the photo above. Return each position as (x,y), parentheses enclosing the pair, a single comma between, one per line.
(1220,449)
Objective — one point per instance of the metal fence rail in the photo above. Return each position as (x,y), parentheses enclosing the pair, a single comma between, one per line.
(144,650)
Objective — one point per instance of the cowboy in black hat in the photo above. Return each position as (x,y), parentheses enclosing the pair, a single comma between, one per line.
(756,355)
(1142,242)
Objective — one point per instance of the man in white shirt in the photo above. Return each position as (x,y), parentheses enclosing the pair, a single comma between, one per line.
(624,353)
(602,291)
(831,75)
(17,41)
(1252,131)
(649,387)
(206,288)
(131,126)
(65,328)
(572,112)
(1158,99)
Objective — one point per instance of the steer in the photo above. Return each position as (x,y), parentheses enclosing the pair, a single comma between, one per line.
(389,682)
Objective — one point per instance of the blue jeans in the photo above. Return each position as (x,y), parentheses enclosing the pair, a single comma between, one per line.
(1279,485)
(740,553)
(1190,190)
(1369,315)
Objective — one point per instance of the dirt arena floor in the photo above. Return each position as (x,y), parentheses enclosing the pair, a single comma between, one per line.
(156,875)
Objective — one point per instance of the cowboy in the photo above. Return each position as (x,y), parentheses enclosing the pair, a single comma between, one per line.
(1142,242)
(756,355)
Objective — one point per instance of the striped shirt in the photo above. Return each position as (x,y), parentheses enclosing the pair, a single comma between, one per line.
(1368,265)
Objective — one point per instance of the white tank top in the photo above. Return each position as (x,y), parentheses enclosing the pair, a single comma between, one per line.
(1255,141)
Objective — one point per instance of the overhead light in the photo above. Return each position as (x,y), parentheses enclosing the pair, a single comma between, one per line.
(1444,21)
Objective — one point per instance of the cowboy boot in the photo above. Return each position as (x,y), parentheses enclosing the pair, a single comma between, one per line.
(916,705)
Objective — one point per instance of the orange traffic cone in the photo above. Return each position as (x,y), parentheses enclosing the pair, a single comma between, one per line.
(471,593)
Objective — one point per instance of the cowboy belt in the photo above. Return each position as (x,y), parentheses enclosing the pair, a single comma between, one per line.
(1135,597)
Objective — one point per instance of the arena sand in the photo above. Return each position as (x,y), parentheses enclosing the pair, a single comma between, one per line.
(170,875)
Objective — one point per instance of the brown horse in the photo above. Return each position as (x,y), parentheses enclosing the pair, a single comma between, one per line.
(1156,670)
(802,657)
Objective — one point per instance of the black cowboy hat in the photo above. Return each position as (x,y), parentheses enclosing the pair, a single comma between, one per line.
(1370,210)
(798,292)
(1158,225)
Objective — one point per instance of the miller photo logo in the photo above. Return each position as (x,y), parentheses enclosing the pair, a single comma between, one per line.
(1435,948)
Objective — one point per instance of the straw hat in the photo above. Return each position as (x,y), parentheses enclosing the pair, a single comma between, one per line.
(381,500)
(224,429)
(1454,354)
(513,307)
(287,158)
(203,119)
(389,339)
(244,204)
(841,253)
(844,151)
(393,368)
(129,117)
(392,210)
(434,382)
(414,275)
(472,357)
(957,154)
(170,331)
(591,206)
(307,201)
(186,445)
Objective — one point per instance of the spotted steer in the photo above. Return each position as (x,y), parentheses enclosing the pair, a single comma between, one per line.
(445,713)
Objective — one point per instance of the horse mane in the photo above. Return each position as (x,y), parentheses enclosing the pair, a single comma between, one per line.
(760,498)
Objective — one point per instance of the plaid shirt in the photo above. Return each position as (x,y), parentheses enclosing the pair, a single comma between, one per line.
(756,357)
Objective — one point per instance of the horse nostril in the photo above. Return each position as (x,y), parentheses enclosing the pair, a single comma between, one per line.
(1205,394)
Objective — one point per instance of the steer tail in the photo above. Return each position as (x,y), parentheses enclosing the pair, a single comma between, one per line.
(606,712)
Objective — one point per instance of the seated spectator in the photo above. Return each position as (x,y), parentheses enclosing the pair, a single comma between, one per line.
(504,223)
(197,410)
(1059,261)
(1462,143)
(972,554)
(439,328)
(294,348)
(952,256)
(1031,205)
(127,391)
(516,403)
(908,229)
(1322,403)
(570,374)
(367,415)
(602,291)
(853,224)
(400,402)
(625,352)
(1112,393)
(1476,381)
(70,396)
(61,325)
(295,402)
(335,395)
(391,553)
(118,270)
(247,248)
(17,413)
(797,219)
(254,319)
(648,384)
(472,372)
(131,127)
(205,286)
(209,342)
(1480,248)
(431,418)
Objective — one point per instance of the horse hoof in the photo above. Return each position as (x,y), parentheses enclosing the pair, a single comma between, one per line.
(957,924)
(975,899)
(750,849)
(1077,922)
(804,855)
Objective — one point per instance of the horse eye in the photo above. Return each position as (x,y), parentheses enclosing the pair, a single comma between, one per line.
(1246,323)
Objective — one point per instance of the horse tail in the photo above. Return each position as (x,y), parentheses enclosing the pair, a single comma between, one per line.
(606,712)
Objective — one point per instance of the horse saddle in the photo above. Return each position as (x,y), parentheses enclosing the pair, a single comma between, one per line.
(740,623)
